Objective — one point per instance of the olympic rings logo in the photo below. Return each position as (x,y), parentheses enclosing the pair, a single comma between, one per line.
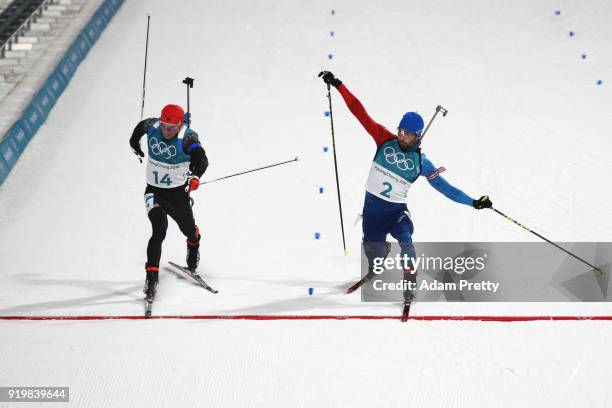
(399,159)
(161,149)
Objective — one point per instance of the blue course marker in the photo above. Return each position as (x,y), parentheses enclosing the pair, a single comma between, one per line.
(333,12)
(330,56)
(557,12)
(317,235)
(331,33)
(326,113)
(599,82)
(320,190)
(325,149)
(583,56)
(310,291)
(571,33)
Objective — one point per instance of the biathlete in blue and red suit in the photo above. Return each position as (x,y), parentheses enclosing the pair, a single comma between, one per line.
(176,161)
(397,164)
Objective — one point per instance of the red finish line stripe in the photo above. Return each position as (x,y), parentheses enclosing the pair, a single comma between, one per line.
(315,317)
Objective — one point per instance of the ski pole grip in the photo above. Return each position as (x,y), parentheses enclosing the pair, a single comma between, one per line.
(188,81)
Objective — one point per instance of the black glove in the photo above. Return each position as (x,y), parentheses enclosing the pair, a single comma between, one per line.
(137,150)
(482,202)
(330,79)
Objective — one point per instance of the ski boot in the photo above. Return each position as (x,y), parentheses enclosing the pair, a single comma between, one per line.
(193,252)
(150,288)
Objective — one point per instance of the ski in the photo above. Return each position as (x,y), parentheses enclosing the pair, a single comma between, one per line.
(150,291)
(148,306)
(195,276)
(408,298)
(406,311)
(360,283)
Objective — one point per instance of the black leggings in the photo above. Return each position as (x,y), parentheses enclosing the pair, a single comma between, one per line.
(160,203)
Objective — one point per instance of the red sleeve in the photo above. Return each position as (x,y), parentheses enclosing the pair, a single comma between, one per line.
(379,133)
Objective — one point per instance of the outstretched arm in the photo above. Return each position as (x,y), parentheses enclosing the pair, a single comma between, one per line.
(439,183)
(379,133)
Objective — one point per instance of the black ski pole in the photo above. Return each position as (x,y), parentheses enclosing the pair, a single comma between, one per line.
(439,108)
(250,171)
(600,272)
(144,78)
(189,82)
(331,117)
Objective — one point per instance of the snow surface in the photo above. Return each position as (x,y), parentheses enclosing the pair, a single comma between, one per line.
(528,125)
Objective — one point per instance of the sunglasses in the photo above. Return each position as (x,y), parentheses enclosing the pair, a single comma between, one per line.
(407,133)
(168,127)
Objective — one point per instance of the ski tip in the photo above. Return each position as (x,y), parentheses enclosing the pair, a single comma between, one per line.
(405,313)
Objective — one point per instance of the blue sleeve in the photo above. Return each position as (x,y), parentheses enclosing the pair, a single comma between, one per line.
(438,182)
(190,141)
